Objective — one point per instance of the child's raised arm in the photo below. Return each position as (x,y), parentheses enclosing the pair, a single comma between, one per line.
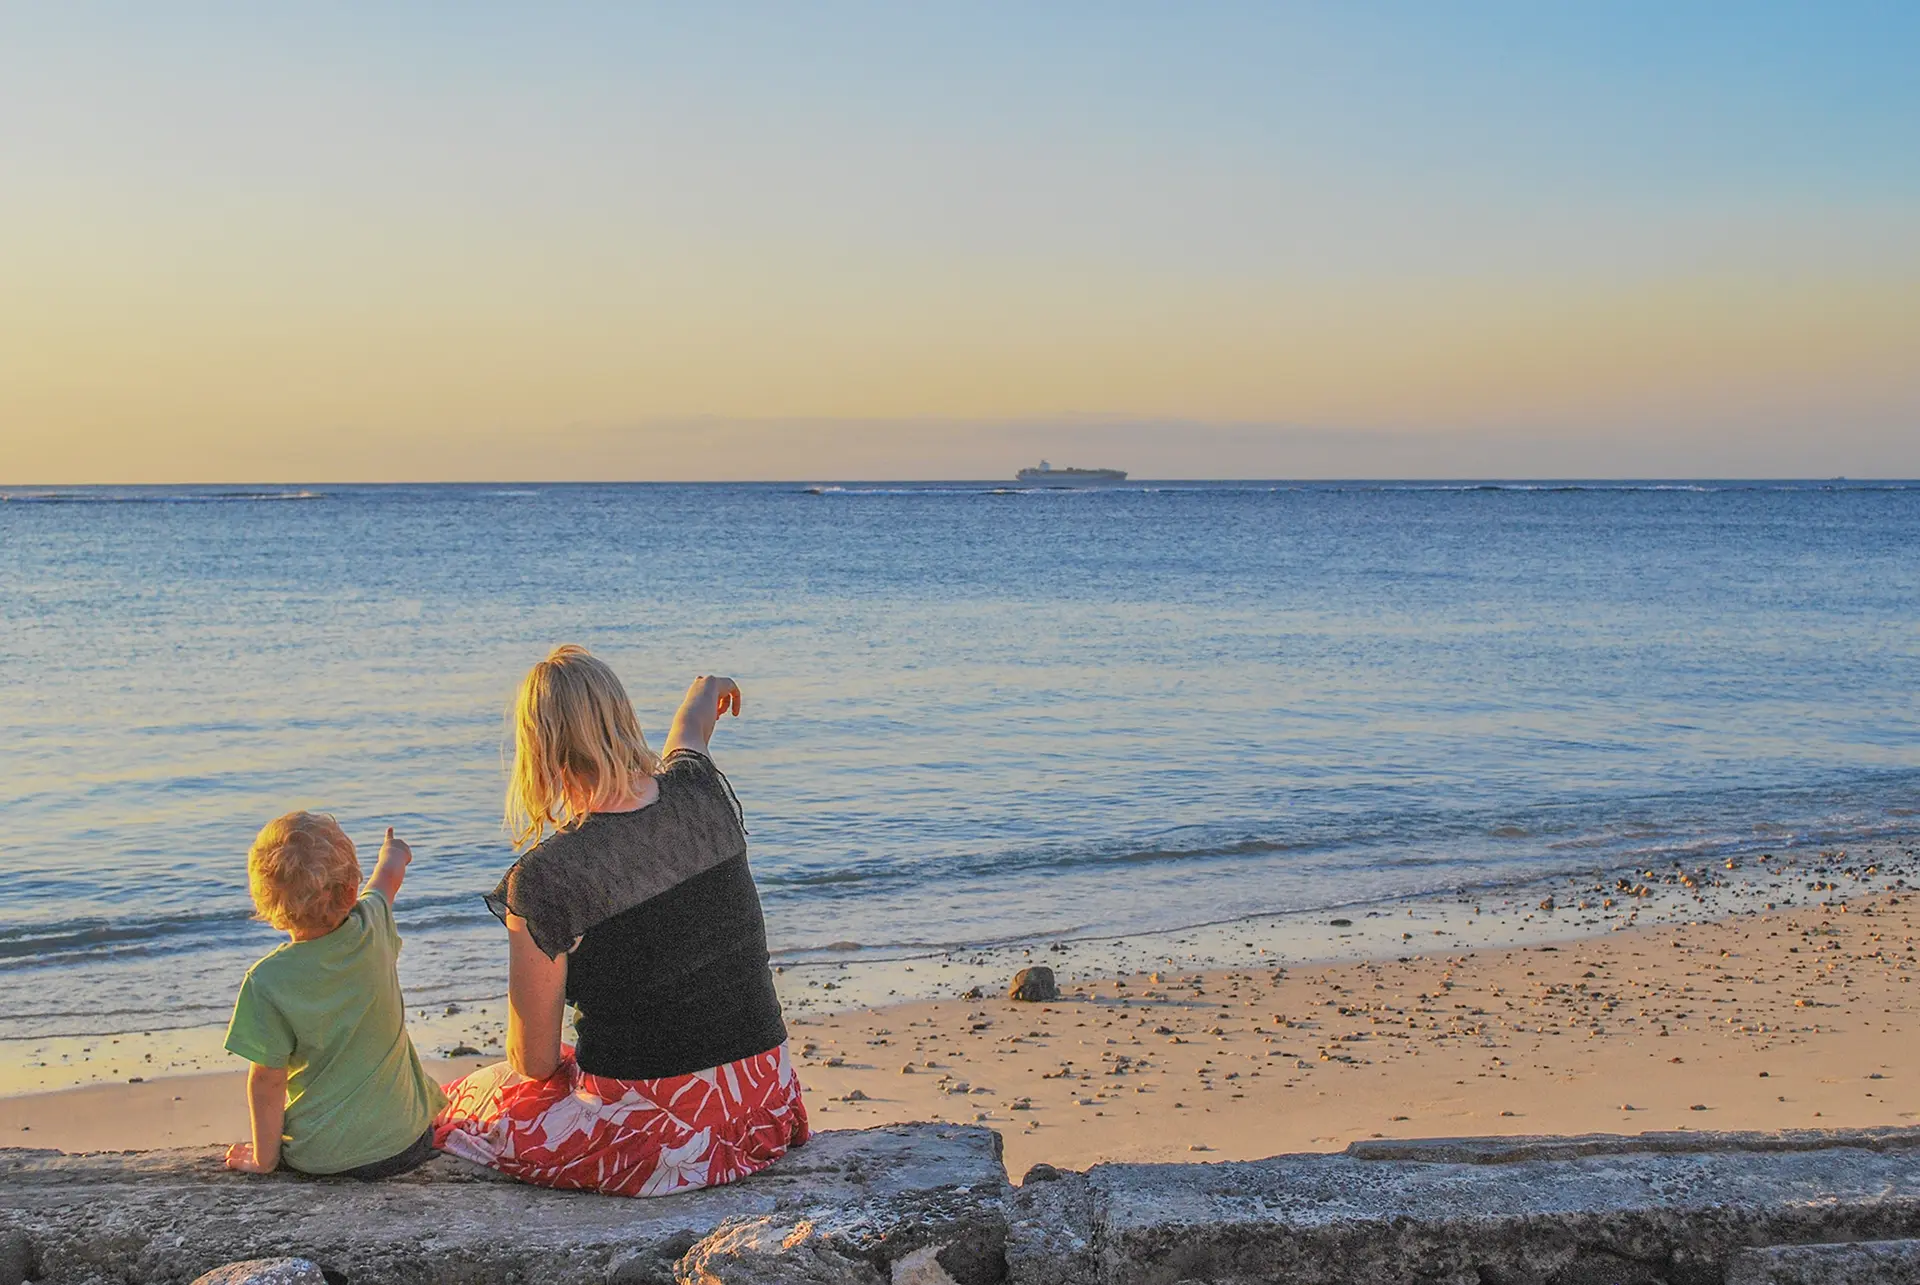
(391,868)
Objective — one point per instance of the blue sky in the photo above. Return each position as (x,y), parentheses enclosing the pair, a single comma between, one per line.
(281,237)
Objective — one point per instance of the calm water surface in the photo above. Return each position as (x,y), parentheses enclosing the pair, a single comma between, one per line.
(973,715)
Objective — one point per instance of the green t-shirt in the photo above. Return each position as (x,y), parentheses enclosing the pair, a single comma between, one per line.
(330,1010)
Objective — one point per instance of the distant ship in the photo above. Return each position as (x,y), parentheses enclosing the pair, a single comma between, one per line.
(1048,475)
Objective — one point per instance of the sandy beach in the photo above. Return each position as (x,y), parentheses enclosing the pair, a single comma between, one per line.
(1733,1017)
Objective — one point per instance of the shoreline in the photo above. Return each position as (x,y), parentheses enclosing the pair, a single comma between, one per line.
(1584,903)
(1698,1005)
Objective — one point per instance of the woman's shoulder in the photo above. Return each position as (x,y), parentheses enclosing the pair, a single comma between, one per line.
(543,888)
(699,796)
(541,871)
(687,763)
(576,878)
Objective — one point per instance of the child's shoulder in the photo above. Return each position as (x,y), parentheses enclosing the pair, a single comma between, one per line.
(269,968)
(371,917)
(375,914)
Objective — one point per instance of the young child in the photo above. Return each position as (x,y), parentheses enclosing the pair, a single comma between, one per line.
(335,1086)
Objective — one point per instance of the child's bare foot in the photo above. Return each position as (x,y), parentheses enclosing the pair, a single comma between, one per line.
(240,1156)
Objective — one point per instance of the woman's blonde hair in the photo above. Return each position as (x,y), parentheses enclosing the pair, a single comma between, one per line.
(302,873)
(575,740)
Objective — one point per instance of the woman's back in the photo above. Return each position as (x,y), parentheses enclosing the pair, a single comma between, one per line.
(677,984)
(670,974)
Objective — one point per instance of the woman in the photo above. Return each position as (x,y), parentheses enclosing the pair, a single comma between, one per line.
(633,902)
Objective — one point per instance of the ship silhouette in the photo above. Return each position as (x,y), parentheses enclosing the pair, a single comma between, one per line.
(1048,475)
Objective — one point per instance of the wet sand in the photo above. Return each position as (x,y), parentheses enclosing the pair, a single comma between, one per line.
(1733,1016)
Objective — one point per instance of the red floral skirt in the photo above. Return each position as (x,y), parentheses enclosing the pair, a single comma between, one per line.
(626,1137)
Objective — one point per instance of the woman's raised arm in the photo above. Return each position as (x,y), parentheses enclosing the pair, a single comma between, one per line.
(706,700)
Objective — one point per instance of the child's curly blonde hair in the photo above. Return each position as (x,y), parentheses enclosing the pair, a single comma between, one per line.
(303,873)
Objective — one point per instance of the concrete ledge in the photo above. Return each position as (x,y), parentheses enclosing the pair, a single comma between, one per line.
(1496,1151)
(1612,1210)
(1883,1262)
(930,1204)
(167,1216)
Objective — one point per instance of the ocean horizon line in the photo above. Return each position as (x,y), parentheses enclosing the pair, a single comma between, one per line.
(254,485)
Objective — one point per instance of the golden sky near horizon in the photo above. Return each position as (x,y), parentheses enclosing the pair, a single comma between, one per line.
(283,253)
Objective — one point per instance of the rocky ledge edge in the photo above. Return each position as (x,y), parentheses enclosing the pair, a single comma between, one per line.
(930,1204)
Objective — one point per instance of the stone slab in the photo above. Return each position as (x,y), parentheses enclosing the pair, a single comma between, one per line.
(168,1216)
(1505,1150)
(1884,1262)
(918,1202)
(1605,1215)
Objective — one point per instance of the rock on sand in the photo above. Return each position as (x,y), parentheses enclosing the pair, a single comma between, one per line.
(1034,985)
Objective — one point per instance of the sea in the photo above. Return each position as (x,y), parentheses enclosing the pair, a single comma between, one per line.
(975,714)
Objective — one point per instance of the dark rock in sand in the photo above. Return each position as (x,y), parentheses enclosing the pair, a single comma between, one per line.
(1034,985)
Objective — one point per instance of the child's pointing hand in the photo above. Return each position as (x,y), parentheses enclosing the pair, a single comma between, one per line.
(395,849)
(391,869)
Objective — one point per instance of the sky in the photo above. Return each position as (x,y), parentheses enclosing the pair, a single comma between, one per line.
(483,242)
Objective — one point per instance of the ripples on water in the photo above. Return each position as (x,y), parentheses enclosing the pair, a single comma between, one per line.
(974,713)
